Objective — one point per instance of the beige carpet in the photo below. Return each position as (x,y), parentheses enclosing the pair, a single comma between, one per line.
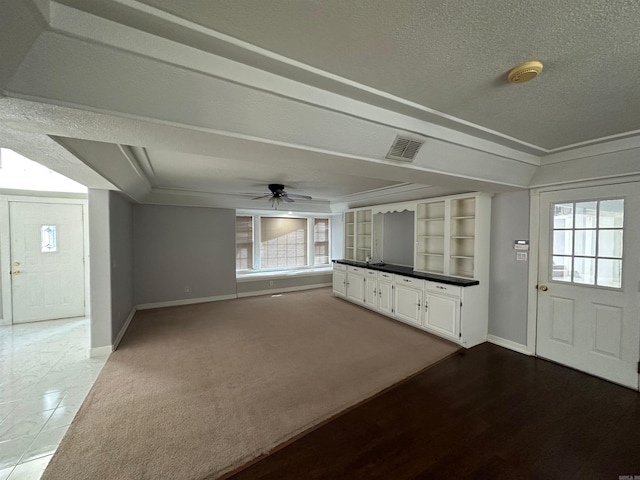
(196,391)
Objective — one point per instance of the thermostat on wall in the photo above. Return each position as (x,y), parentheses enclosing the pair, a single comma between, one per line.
(521,245)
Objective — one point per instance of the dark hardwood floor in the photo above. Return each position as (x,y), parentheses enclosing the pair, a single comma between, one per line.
(484,413)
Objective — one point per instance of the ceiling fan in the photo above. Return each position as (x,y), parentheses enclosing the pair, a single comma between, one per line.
(278,194)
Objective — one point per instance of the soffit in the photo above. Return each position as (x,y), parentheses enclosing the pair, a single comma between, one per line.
(453,57)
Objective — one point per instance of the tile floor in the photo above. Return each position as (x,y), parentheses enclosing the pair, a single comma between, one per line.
(45,373)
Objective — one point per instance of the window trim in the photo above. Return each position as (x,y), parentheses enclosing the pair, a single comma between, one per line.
(596,257)
(257,240)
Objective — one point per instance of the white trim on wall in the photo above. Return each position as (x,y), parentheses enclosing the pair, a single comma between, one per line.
(124,328)
(187,301)
(100,351)
(503,342)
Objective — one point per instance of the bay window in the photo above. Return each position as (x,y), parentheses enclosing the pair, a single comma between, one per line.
(281,242)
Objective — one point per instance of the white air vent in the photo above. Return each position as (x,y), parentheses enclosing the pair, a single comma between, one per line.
(404,149)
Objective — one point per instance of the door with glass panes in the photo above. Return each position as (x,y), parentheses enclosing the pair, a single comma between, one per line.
(588,278)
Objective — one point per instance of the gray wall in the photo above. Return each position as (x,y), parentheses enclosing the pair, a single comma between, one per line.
(121,234)
(100,271)
(179,247)
(508,277)
(398,237)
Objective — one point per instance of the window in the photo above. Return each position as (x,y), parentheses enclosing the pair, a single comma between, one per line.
(48,238)
(587,243)
(281,242)
(320,241)
(244,243)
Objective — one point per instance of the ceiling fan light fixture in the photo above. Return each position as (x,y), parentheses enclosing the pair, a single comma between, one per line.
(525,72)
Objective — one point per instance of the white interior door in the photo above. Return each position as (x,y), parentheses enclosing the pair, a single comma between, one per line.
(47,261)
(588,281)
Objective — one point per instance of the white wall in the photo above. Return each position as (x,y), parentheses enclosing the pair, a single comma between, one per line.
(100,271)
(508,277)
(176,248)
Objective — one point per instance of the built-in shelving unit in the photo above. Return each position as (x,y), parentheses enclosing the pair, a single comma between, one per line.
(349,236)
(462,237)
(357,234)
(449,235)
(430,237)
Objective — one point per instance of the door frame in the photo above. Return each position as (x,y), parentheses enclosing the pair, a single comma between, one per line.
(534,244)
(7,196)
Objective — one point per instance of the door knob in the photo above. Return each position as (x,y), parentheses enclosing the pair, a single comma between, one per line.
(543,288)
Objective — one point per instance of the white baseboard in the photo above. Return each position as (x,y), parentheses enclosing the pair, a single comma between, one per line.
(124,328)
(188,301)
(101,351)
(282,290)
(503,342)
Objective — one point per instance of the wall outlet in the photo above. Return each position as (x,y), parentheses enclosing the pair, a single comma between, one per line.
(186,289)
(521,256)
(271,283)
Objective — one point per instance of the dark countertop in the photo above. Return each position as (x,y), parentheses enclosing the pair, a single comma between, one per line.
(410,272)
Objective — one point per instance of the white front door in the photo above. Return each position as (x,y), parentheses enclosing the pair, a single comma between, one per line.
(588,281)
(47,261)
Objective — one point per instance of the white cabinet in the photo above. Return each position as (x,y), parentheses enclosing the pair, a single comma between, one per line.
(355,284)
(378,291)
(385,293)
(371,289)
(408,299)
(442,315)
(358,234)
(339,282)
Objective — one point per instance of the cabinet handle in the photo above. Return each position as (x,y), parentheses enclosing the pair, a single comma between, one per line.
(380,293)
(406,280)
(426,306)
(419,305)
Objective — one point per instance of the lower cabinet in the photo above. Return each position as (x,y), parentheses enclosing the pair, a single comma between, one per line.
(385,295)
(408,304)
(442,314)
(432,306)
(355,284)
(340,282)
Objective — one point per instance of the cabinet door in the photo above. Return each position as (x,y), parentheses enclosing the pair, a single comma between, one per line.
(371,293)
(385,297)
(408,304)
(443,315)
(355,287)
(340,283)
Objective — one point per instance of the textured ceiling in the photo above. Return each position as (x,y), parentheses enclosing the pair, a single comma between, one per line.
(208,174)
(453,56)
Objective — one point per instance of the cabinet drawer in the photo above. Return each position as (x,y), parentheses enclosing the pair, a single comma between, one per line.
(356,270)
(436,287)
(387,277)
(409,281)
(371,273)
(339,266)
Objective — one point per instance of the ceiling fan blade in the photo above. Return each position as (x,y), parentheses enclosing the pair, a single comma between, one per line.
(286,198)
(263,196)
(301,197)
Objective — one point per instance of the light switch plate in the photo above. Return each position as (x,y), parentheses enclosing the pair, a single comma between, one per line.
(521,256)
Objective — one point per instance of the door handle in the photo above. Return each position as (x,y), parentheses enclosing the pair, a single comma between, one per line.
(16,264)
(15,272)
(543,288)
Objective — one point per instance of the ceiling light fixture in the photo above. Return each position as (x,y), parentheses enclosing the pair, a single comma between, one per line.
(525,72)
